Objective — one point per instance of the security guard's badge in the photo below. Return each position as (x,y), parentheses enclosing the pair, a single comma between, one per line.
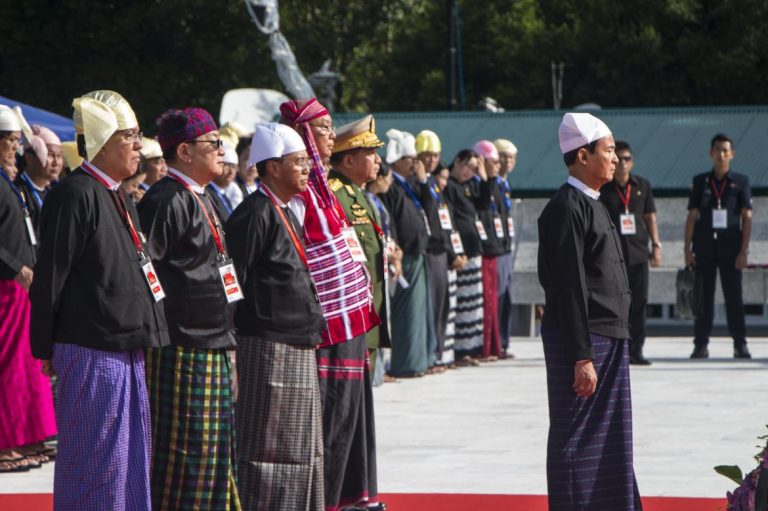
(353,244)
(719,218)
(628,226)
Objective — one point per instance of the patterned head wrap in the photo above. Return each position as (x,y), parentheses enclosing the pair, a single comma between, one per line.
(297,114)
(176,126)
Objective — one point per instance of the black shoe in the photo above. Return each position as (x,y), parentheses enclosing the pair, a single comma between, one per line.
(700,352)
(741,351)
(639,360)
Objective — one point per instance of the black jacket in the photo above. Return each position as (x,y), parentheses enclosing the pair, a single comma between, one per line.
(89,289)
(439,239)
(581,268)
(461,197)
(710,243)
(16,249)
(281,302)
(33,198)
(489,202)
(408,219)
(186,258)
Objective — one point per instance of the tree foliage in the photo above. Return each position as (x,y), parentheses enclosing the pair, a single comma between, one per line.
(393,54)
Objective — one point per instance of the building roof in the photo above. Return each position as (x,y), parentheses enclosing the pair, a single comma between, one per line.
(670,145)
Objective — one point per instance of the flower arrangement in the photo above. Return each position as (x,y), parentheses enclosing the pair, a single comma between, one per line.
(752,492)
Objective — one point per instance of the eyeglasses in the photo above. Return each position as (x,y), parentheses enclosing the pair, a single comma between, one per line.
(324,129)
(132,137)
(305,163)
(625,159)
(218,143)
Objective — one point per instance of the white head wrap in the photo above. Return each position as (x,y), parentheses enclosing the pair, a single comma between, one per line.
(230,156)
(505,146)
(401,144)
(11,119)
(580,129)
(150,148)
(98,115)
(272,140)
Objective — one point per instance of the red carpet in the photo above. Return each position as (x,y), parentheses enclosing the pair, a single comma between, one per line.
(431,502)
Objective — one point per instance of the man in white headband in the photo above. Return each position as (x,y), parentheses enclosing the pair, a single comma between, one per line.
(153,163)
(279,323)
(25,393)
(585,331)
(96,306)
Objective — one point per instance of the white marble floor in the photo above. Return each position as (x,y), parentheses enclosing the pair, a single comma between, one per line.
(484,429)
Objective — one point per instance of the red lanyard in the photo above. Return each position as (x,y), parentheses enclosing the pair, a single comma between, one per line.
(214,227)
(121,208)
(718,191)
(625,198)
(287,224)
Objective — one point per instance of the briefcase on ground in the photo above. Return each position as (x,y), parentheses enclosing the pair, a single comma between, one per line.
(689,294)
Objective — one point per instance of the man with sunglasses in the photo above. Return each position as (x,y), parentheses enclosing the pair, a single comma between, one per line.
(629,200)
(189,382)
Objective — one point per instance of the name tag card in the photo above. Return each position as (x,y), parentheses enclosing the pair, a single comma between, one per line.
(353,243)
(511,227)
(458,246)
(627,224)
(720,218)
(481,230)
(150,275)
(445,218)
(30,230)
(498,227)
(229,279)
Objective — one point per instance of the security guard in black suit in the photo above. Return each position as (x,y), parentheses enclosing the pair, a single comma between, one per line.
(717,233)
(629,200)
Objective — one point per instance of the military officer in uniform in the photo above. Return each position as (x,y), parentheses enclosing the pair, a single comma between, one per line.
(355,162)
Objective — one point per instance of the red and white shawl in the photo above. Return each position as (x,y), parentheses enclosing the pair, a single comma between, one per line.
(342,284)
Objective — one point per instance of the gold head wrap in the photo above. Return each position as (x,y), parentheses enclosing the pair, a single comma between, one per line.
(428,142)
(71,159)
(98,115)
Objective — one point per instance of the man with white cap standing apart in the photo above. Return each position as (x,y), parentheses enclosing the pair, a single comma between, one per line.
(279,425)
(585,331)
(96,305)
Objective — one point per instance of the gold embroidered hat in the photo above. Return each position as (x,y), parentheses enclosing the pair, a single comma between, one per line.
(357,134)
(98,115)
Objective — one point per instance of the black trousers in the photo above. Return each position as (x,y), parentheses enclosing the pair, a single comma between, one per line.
(638,285)
(437,270)
(730,278)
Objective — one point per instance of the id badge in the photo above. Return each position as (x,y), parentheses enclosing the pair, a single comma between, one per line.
(30,229)
(628,226)
(498,227)
(511,227)
(150,275)
(445,218)
(720,218)
(458,246)
(481,230)
(354,246)
(229,280)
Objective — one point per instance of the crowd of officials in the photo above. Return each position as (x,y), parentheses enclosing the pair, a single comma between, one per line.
(216,304)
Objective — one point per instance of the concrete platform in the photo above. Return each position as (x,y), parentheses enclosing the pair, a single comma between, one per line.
(484,429)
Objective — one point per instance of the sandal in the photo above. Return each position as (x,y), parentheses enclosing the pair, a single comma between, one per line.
(11,465)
